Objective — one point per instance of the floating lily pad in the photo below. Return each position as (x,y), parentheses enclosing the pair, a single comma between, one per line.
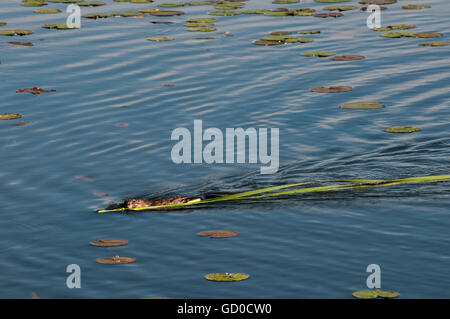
(91,3)
(126,14)
(279,33)
(224,13)
(435,43)
(11,33)
(319,54)
(218,233)
(202,29)
(266,43)
(198,24)
(9,116)
(47,11)
(116,260)
(35,90)
(331,89)
(328,14)
(402,129)
(348,57)
(365,294)
(396,34)
(31,3)
(25,44)
(386,293)
(428,35)
(377,1)
(162,13)
(285,1)
(97,15)
(381,8)
(200,3)
(202,20)
(2,24)
(58,26)
(160,38)
(228,5)
(415,6)
(395,27)
(340,8)
(227,277)
(309,32)
(173,4)
(362,106)
(109,242)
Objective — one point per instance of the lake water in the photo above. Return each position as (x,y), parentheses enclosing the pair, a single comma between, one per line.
(308,246)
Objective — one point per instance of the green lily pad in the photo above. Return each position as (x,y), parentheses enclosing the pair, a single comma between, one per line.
(319,54)
(198,24)
(428,35)
(340,8)
(386,293)
(2,24)
(348,57)
(9,116)
(202,29)
(285,1)
(200,3)
(415,6)
(224,13)
(362,106)
(57,26)
(435,43)
(331,89)
(11,33)
(47,11)
(126,14)
(402,129)
(97,15)
(395,27)
(267,43)
(202,20)
(377,1)
(365,294)
(397,34)
(162,13)
(172,4)
(309,32)
(227,277)
(160,39)
(279,33)
(228,5)
(91,3)
(34,3)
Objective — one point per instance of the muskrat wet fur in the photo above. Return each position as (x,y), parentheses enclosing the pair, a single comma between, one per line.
(141,203)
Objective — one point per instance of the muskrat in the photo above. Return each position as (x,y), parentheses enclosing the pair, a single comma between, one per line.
(140,203)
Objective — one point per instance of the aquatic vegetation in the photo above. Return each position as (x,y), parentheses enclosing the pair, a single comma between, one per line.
(340,8)
(21,123)
(202,20)
(11,33)
(116,260)
(381,8)
(57,26)
(309,32)
(202,29)
(319,54)
(227,277)
(415,6)
(2,24)
(162,13)
(277,39)
(97,15)
(224,13)
(160,39)
(173,4)
(161,22)
(200,3)
(374,293)
(202,39)
(34,3)
(198,24)
(218,233)
(9,116)
(395,27)
(349,57)
(402,129)
(435,43)
(91,3)
(428,35)
(331,89)
(25,44)
(328,14)
(266,43)
(285,1)
(126,14)
(47,11)
(410,34)
(377,1)
(331,1)
(362,106)
(35,90)
(228,5)
(279,32)
(109,242)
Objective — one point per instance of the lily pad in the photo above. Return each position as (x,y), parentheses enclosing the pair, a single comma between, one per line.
(22,123)
(9,116)
(116,260)
(415,6)
(285,1)
(217,233)
(11,33)
(91,3)
(227,277)
(205,39)
(328,14)
(25,44)
(200,3)
(395,27)
(309,32)
(349,57)
(386,293)
(428,35)
(126,14)
(172,4)
(319,54)
(97,15)
(202,29)
(34,90)
(397,34)
(362,106)
(224,13)
(402,129)
(47,11)
(32,3)
(198,24)
(266,43)
(2,24)
(365,294)
(160,39)
(435,43)
(202,20)
(162,13)
(381,8)
(331,89)
(340,8)
(228,5)
(279,33)
(58,26)
(377,1)
(109,243)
